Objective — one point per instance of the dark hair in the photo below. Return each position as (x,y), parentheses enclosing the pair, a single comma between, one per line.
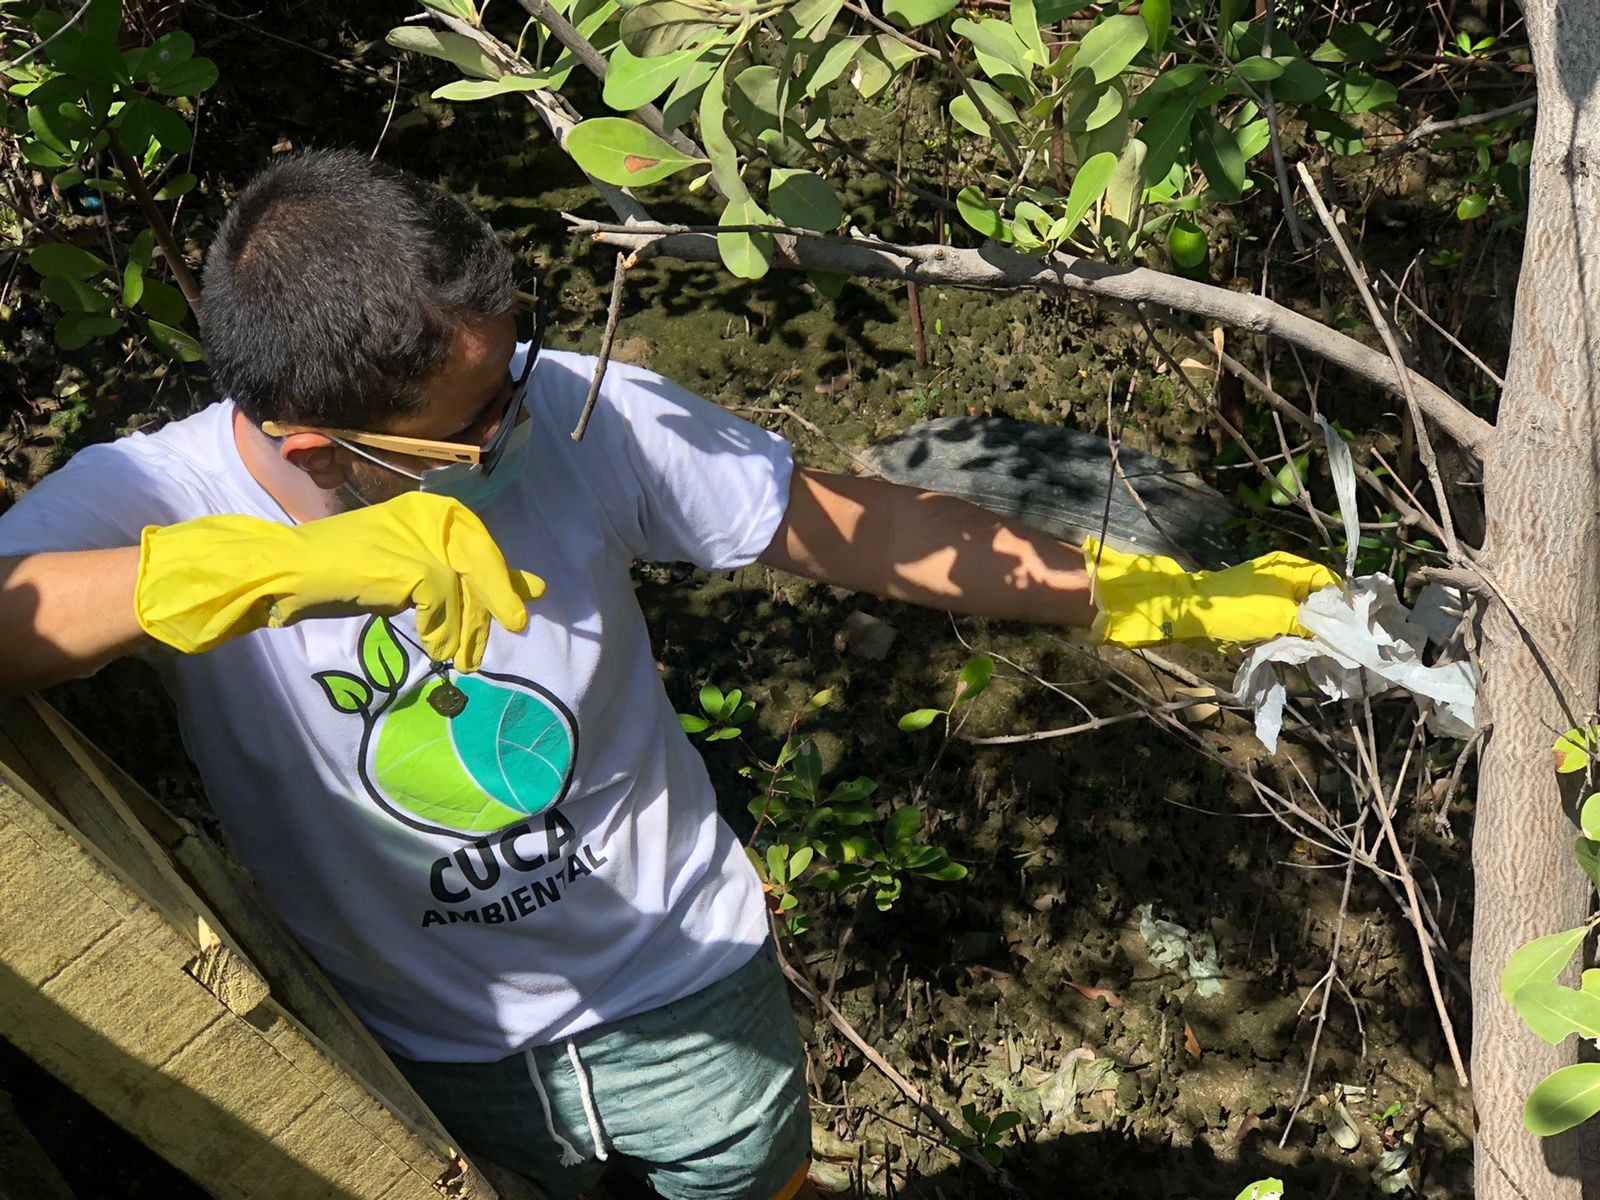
(335,286)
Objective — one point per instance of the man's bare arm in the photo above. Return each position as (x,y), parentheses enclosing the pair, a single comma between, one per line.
(66,615)
(873,536)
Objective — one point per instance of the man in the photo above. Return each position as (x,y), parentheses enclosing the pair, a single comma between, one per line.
(416,682)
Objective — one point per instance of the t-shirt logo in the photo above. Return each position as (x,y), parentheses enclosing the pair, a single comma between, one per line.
(505,756)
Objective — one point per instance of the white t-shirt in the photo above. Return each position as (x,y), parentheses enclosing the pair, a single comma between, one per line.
(551,858)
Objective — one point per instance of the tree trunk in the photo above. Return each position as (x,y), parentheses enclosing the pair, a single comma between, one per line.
(1542,492)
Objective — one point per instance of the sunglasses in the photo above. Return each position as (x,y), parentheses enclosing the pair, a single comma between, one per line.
(485,456)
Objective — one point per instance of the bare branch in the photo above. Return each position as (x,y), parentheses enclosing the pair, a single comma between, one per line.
(613,314)
(996,269)
(1431,128)
(1380,319)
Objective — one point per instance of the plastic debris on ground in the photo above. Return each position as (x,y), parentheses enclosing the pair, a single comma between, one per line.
(1364,640)
(1171,945)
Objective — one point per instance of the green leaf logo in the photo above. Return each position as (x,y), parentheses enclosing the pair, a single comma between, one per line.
(344,691)
(383,658)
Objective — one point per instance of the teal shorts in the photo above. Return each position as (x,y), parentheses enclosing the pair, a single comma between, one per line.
(704,1098)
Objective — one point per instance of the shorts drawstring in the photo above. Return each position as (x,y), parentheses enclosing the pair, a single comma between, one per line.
(570,1156)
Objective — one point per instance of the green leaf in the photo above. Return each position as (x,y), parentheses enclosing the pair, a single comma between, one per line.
(485,89)
(908,14)
(1091,107)
(76,330)
(754,99)
(660,27)
(1025,20)
(1088,185)
(1253,138)
(1300,83)
(1004,1123)
(1285,486)
(871,72)
(948,872)
(804,200)
(1358,92)
(1157,16)
(88,51)
(693,724)
(777,861)
(178,185)
(181,345)
(800,860)
(76,295)
(975,676)
(684,98)
(920,719)
(163,302)
(452,47)
(187,78)
(462,9)
(142,121)
(623,152)
(163,54)
(1219,157)
(1572,749)
(977,212)
(1111,46)
(1472,206)
(1566,1098)
(1588,855)
(1354,43)
(714,137)
(813,18)
(821,700)
(632,82)
(1260,70)
(1540,961)
(747,255)
(1262,1189)
(834,61)
(999,41)
(1165,134)
(1173,81)
(60,258)
(1555,1012)
(344,691)
(901,828)
(994,106)
(711,700)
(1126,188)
(965,114)
(383,658)
(1589,817)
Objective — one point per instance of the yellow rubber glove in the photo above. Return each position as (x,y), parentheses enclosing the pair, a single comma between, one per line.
(1145,599)
(204,581)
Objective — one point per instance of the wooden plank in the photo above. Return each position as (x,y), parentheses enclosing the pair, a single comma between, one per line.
(46,919)
(253,923)
(121,1023)
(96,993)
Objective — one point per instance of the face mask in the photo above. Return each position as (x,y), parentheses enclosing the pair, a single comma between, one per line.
(468,483)
(465,482)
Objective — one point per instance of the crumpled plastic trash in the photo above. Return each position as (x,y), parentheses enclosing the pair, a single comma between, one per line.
(1171,945)
(1363,643)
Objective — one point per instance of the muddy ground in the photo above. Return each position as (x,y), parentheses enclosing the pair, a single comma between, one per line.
(1028,986)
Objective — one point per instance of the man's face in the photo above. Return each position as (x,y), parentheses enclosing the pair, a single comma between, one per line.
(463,401)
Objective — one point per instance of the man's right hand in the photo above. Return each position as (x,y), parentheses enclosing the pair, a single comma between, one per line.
(204,581)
